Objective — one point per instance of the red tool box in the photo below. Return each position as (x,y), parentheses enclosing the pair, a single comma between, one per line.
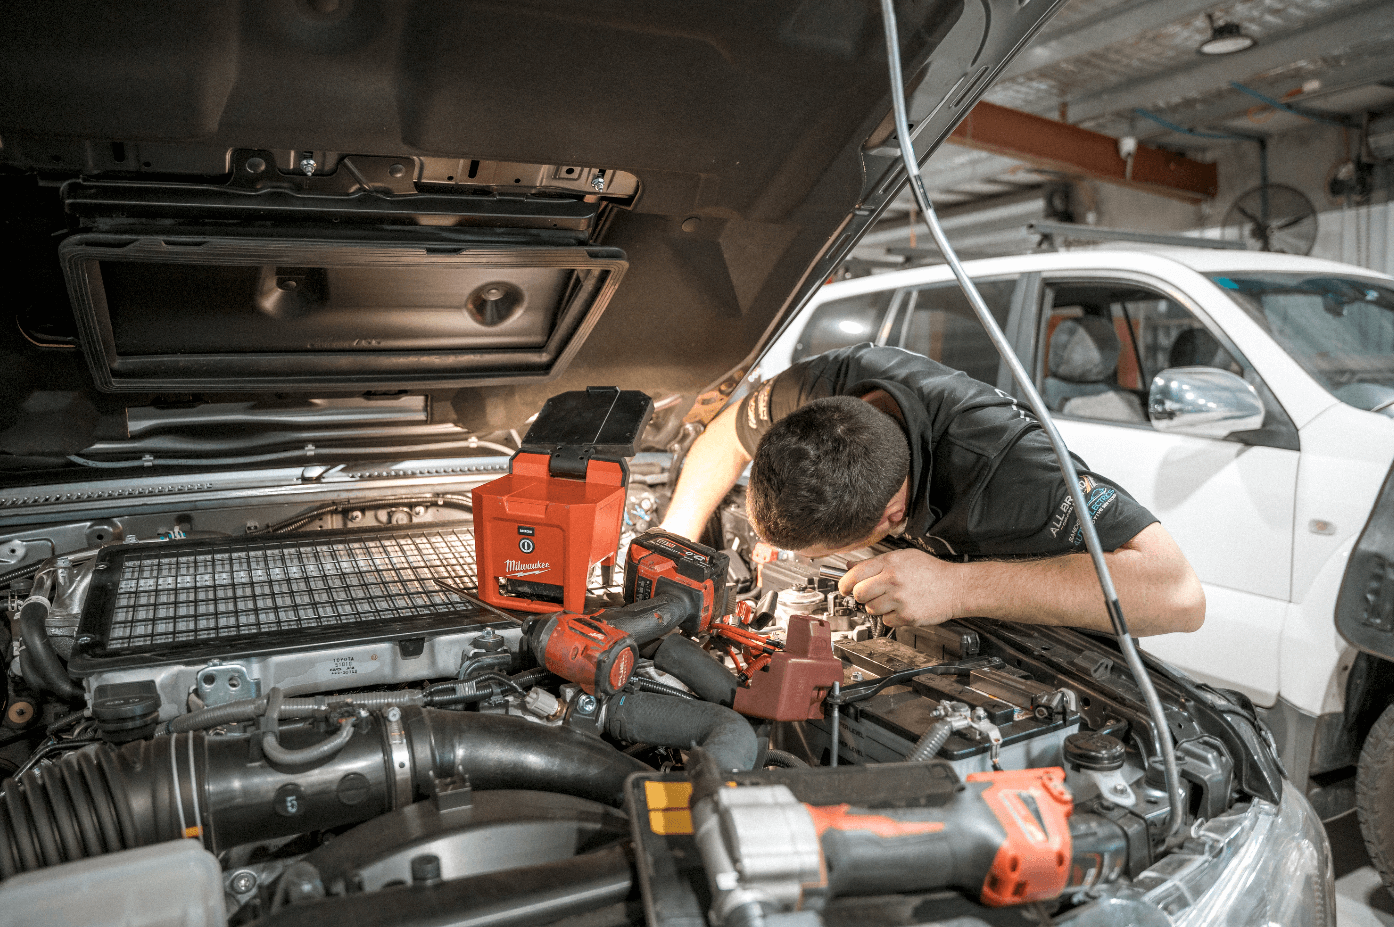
(540,529)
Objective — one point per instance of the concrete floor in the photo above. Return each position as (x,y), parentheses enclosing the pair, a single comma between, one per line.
(1361,899)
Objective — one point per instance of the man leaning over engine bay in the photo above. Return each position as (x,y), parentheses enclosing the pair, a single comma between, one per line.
(863,443)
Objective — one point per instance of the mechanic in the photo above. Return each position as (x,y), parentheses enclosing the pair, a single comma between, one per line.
(866,442)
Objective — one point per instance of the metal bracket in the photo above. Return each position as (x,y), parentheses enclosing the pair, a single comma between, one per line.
(220,683)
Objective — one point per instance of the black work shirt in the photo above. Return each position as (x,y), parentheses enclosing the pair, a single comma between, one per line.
(984,481)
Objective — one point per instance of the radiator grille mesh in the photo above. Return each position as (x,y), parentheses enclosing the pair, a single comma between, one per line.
(255,587)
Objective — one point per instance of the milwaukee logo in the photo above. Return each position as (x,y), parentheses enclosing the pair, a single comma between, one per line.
(518,568)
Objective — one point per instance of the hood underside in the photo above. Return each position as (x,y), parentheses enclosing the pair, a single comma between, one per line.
(248,223)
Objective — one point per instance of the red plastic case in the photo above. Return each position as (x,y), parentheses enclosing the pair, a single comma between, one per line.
(537,536)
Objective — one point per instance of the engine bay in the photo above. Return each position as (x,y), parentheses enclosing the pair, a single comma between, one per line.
(308,690)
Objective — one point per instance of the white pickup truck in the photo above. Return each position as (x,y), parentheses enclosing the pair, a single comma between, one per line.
(1246,399)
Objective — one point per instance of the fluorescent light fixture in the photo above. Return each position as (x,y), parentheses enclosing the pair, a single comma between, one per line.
(851,328)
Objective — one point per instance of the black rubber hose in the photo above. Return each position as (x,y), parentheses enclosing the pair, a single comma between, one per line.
(931,742)
(500,752)
(101,799)
(685,659)
(665,721)
(53,676)
(74,808)
(540,894)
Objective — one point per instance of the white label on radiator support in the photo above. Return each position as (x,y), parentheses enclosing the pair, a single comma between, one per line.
(343,666)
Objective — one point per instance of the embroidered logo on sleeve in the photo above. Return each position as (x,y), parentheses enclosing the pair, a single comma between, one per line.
(1097,497)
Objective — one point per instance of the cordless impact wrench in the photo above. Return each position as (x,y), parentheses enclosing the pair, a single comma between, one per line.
(670,583)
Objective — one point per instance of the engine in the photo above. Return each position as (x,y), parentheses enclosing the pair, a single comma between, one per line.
(334,713)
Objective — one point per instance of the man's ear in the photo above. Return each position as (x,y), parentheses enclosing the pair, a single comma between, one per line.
(898,508)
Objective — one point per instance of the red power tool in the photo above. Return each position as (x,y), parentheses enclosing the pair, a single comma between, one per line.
(1007,838)
(670,583)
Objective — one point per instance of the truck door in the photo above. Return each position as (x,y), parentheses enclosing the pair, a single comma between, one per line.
(1227,502)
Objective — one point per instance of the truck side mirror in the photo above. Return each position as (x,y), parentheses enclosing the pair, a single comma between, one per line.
(1203,401)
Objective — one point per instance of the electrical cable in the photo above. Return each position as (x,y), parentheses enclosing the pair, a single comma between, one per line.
(1067,468)
(865,690)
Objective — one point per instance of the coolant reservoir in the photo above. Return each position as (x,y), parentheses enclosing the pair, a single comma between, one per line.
(797,601)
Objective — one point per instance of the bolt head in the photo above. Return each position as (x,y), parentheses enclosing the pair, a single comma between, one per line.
(355,516)
(307,166)
(1119,789)
(396,170)
(856,677)
(394,713)
(418,510)
(243,882)
(585,704)
(255,165)
(598,183)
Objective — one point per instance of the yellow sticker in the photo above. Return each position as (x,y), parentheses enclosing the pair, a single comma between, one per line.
(668,807)
(663,795)
(671,822)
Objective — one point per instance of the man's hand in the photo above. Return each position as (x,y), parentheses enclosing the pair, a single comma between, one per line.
(902,587)
(1157,588)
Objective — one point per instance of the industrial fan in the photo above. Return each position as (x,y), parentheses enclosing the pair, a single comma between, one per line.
(1273,217)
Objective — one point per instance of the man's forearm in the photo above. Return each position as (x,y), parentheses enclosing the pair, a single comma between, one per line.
(713,464)
(1156,587)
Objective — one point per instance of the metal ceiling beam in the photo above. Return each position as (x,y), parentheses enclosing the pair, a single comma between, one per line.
(1105,29)
(1372,70)
(1360,24)
(1058,146)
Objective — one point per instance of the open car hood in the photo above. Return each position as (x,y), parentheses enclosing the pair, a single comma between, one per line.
(368,225)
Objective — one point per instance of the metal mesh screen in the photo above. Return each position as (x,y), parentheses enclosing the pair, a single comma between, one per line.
(256,587)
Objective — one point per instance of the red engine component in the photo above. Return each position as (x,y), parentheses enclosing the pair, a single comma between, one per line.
(794,682)
(585,650)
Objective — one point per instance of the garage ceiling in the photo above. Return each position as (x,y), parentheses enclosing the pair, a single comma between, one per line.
(1099,62)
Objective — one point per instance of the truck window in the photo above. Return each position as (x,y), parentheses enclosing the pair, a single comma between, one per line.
(842,322)
(1104,342)
(940,324)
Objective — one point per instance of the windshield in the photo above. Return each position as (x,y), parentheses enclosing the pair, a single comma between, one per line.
(1340,329)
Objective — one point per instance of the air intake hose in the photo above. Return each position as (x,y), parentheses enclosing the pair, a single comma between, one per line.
(224,791)
(45,663)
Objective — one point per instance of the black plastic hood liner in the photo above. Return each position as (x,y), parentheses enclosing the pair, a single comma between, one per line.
(729,152)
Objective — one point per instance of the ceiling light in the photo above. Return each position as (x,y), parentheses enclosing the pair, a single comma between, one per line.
(1225,39)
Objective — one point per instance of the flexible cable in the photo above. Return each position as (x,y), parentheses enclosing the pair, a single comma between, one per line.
(1067,468)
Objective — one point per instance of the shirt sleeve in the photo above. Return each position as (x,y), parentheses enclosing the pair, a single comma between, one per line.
(775,398)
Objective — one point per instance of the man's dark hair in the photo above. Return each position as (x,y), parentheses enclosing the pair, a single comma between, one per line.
(823,475)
